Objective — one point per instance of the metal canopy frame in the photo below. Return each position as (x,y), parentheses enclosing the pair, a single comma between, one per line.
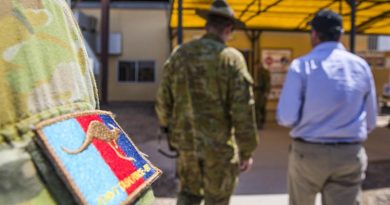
(290,15)
(360,16)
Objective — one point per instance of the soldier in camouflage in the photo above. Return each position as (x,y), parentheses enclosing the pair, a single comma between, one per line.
(262,89)
(206,102)
(44,72)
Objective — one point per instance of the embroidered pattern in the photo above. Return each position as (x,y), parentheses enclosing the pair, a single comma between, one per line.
(99,131)
(96,158)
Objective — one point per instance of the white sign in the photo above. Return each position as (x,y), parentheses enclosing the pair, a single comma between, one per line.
(276,60)
(387,63)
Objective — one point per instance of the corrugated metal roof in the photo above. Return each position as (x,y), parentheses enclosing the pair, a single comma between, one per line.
(372,17)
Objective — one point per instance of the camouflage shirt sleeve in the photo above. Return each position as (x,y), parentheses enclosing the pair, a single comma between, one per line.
(241,103)
(164,101)
(44,66)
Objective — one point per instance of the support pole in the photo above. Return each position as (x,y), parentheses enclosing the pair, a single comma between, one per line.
(253,43)
(170,39)
(180,23)
(253,36)
(352,38)
(258,50)
(104,42)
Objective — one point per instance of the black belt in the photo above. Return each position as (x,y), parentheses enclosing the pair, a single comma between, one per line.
(326,143)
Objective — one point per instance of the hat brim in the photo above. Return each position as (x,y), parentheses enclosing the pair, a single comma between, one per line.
(203,13)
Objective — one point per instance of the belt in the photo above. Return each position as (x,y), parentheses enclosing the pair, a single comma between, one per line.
(326,143)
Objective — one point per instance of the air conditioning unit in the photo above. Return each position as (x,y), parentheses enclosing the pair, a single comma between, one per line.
(115,44)
(383,43)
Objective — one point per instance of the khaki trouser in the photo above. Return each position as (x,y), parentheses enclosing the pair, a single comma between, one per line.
(335,171)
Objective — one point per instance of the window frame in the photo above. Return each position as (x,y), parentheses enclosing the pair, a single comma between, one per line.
(137,70)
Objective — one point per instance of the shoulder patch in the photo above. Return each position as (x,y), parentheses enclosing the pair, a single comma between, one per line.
(96,158)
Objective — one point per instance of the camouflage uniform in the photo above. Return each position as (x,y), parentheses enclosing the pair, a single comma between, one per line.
(261,92)
(207,103)
(44,72)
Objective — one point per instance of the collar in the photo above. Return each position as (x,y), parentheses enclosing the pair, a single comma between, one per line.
(213,37)
(329,45)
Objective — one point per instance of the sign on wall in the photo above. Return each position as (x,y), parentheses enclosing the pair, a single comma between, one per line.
(277,62)
(375,59)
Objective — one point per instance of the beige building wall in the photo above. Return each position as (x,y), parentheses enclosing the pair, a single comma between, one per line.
(298,42)
(145,37)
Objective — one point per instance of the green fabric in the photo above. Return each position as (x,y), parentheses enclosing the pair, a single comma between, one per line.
(147,198)
(42,198)
(44,68)
(42,75)
(27,177)
(49,177)
(262,89)
(44,72)
(212,179)
(206,100)
(20,182)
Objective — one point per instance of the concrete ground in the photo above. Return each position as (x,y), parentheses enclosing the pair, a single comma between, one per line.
(265,183)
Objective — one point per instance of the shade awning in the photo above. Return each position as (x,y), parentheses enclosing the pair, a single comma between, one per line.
(372,17)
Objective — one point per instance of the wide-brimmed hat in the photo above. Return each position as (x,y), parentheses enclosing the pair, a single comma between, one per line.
(220,8)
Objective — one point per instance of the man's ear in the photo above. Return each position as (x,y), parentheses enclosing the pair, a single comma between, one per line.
(314,33)
(231,27)
(315,39)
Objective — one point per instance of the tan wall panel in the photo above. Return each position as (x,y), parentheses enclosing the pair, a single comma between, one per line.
(238,40)
(145,37)
(298,43)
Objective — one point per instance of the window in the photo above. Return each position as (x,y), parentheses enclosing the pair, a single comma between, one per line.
(127,71)
(145,71)
(136,71)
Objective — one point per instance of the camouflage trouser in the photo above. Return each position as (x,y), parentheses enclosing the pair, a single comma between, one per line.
(20,183)
(211,179)
(27,178)
(261,112)
(146,198)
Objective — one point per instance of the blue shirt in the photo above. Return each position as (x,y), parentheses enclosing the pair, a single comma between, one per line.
(328,96)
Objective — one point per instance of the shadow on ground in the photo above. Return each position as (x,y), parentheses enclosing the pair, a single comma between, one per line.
(377,175)
(268,175)
(376,185)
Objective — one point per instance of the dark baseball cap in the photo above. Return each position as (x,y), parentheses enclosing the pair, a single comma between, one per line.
(327,21)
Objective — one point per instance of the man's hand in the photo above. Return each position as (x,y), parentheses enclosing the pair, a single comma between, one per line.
(246,165)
